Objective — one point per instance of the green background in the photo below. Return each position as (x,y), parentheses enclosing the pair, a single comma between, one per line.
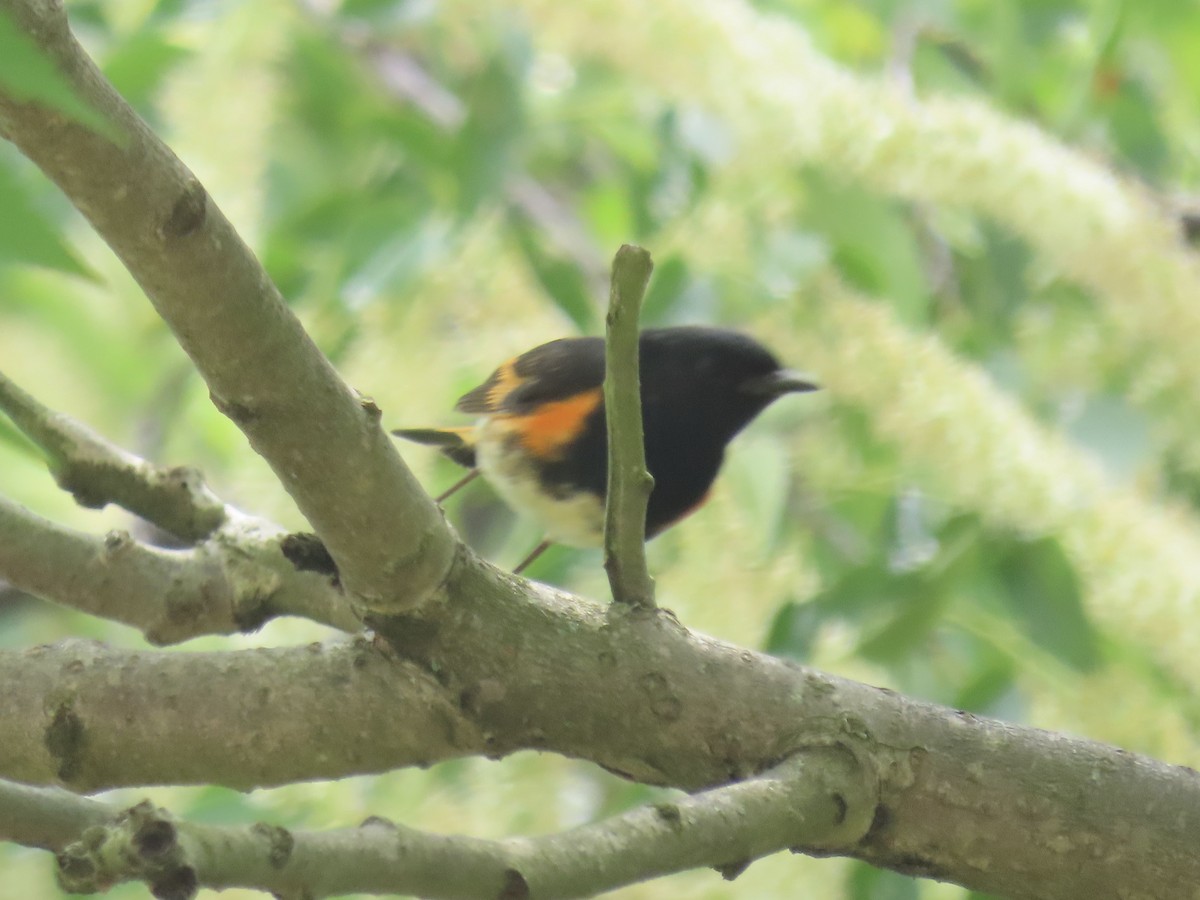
(964,218)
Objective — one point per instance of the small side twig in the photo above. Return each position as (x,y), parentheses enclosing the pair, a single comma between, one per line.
(629,484)
(97,472)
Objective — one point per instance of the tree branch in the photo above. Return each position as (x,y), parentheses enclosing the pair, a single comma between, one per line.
(243,719)
(236,579)
(324,443)
(542,669)
(819,800)
(97,472)
(629,484)
(231,583)
(998,808)
(47,818)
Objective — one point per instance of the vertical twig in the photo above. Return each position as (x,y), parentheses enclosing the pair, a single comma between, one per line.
(629,484)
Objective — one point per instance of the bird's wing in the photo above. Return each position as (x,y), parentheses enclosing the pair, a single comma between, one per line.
(558,370)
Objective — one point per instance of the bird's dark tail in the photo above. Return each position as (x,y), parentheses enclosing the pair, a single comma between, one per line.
(457,444)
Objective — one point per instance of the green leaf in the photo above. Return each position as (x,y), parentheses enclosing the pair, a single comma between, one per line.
(1136,129)
(873,244)
(486,144)
(868,883)
(27,237)
(667,286)
(137,67)
(992,269)
(1042,590)
(29,75)
(794,630)
(13,437)
(989,684)
(918,603)
(899,609)
(759,478)
(608,207)
(562,280)
(373,10)
(859,591)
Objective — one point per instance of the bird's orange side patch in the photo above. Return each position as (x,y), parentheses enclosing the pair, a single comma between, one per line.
(552,426)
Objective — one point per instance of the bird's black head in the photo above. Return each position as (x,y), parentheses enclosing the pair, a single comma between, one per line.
(711,378)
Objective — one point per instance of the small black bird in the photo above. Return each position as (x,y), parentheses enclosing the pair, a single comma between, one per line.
(541,436)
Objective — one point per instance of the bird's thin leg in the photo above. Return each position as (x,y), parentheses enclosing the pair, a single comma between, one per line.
(536,552)
(461,483)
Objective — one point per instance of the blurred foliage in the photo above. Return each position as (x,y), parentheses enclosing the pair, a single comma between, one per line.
(994,505)
(29,75)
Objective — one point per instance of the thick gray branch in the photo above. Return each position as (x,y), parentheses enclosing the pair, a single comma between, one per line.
(97,472)
(629,484)
(1009,810)
(234,581)
(85,717)
(815,800)
(392,546)
(996,807)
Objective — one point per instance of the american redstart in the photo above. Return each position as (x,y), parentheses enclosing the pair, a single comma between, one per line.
(541,435)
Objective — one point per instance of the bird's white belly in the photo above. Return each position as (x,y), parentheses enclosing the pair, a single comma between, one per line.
(577,521)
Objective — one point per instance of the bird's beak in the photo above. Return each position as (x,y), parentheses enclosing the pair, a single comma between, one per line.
(779,382)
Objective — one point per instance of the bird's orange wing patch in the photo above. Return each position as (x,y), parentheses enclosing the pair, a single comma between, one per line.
(549,429)
(489,397)
(504,382)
